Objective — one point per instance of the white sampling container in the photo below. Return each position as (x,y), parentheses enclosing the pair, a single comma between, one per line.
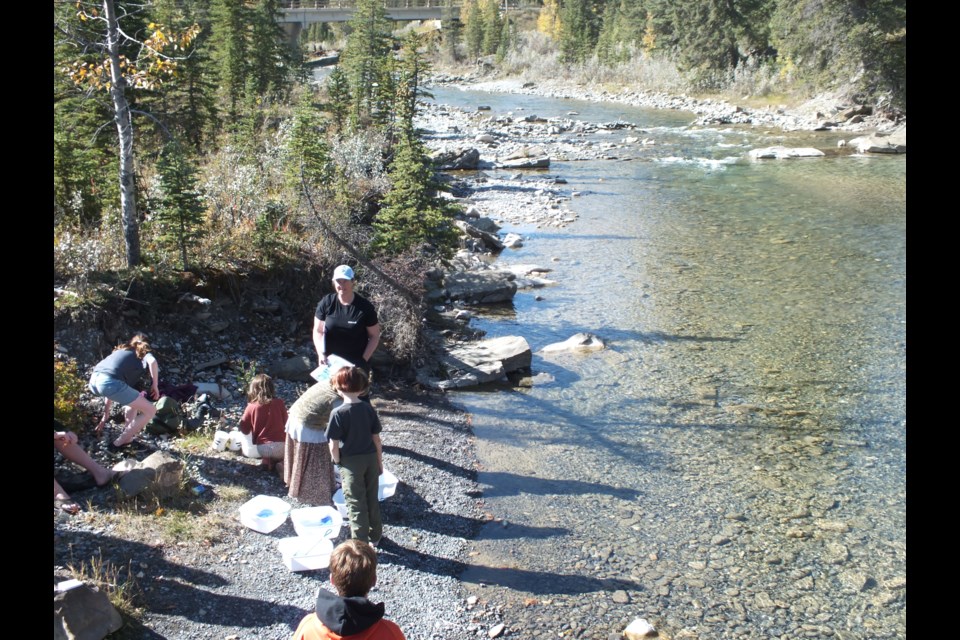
(306,554)
(386,489)
(317,522)
(264,513)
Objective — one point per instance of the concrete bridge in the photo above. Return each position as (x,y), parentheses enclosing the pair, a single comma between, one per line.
(304,12)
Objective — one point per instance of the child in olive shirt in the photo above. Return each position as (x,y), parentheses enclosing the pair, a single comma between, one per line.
(355,447)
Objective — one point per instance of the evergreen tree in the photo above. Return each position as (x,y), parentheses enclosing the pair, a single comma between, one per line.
(508,38)
(271,58)
(831,42)
(308,157)
(451,34)
(367,59)
(188,105)
(411,213)
(472,19)
(580,26)
(229,40)
(338,97)
(492,25)
(180,211)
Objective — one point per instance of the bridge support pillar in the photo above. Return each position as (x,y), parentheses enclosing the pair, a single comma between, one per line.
(292,29)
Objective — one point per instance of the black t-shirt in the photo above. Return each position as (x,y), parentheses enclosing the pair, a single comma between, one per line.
(346,326)
(354,425)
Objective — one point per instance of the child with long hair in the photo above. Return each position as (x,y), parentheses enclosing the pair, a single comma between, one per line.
(265,417)
(354,435)
(114,378)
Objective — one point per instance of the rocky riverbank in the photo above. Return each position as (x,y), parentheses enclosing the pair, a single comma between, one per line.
(819,113)
(226,581)
(196,572)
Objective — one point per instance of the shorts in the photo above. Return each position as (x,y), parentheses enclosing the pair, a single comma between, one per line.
(110,387)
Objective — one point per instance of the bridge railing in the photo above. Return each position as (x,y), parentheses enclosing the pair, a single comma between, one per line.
(349,4)
(397,4)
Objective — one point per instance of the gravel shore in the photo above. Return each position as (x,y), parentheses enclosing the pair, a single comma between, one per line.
(227,581)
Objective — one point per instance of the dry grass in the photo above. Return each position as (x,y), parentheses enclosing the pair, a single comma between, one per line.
(119,583)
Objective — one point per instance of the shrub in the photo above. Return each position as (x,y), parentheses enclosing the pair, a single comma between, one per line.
(67,387)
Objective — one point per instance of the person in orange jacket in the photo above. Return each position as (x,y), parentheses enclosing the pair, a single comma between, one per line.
(349,615)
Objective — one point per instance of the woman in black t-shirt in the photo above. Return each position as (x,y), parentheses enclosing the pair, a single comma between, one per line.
(346,323)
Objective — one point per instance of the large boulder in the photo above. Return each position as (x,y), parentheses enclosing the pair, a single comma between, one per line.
(484,361)
(457,160)
(895,142)
(480,287)
(82,612)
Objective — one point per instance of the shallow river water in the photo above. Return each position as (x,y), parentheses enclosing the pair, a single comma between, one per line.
(733,464)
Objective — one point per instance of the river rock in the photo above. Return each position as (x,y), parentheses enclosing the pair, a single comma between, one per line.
(485,224)
(485,361)
(578,342)
(295,369)
(541,162)
(458,159)
(785,152)
(896,142)
(82,612)
(481,287)
(489,240)
(159,472)
(638,629)
(513,241)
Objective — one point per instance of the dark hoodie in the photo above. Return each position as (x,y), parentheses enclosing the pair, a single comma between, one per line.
(338,617)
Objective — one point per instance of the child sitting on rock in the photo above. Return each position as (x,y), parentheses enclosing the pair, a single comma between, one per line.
(265,417)
(353,572)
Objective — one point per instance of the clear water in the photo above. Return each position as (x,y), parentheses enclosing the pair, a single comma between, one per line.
(744,432)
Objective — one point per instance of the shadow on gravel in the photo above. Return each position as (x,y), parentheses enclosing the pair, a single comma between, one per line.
(168,588)
(537,582)
(437,463)
(408,509)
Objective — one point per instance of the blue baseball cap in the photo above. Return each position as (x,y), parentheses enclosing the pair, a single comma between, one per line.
(343,272)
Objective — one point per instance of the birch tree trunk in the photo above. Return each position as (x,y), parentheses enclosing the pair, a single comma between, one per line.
(121,108)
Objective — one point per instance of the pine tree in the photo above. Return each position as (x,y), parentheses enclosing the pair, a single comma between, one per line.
(338,97)
(271,58)
(367,61)
(411,214)
(229,40)
(580,25)
(308,157)
(451,34)
(180,211)
(492,25)
(472,20)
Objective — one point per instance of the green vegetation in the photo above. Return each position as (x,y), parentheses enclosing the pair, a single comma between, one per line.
(192,147)
(67,387)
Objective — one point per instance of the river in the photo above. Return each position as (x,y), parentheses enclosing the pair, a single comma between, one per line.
(733,464)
